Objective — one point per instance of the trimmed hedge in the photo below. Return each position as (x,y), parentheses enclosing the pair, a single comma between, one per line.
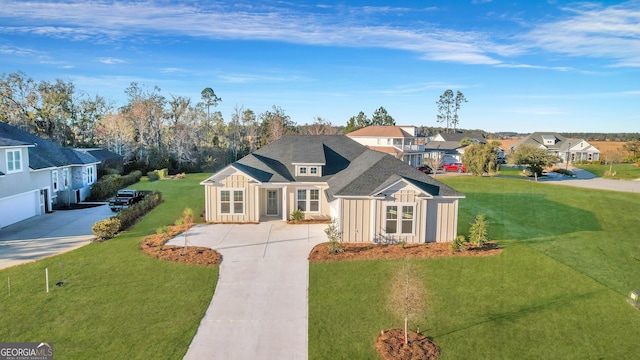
(107,229)
(130,215)
(108,185)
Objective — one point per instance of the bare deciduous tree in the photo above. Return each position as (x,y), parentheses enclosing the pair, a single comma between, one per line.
(406,296)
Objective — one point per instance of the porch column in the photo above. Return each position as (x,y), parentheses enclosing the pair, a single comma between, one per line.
(257,203)
(284,203)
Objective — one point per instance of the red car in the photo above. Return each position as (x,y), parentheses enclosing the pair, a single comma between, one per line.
(456,166)
(425,169)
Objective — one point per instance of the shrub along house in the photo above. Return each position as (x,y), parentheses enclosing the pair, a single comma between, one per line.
(373,196)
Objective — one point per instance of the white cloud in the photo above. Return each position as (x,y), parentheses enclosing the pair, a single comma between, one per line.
(593,31)
(120,21)
(584,30)
(110,60)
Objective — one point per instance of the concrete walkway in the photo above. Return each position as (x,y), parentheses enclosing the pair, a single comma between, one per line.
(260,306)
(585,179)
(47,235)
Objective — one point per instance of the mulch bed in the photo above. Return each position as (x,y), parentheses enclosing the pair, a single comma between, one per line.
(154,245)
(390,346)
(368,251)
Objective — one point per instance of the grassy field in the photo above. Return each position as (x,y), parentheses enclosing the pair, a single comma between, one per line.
(557,291)
(619,171)
(116,302)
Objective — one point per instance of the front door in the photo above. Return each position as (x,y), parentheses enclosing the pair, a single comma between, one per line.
(272,202)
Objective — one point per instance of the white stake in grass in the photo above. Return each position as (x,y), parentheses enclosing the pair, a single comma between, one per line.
(46,275)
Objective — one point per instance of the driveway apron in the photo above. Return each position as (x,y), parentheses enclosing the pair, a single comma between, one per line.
(260,308)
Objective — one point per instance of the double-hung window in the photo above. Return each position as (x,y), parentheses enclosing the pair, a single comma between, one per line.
(308,200)
(54,179)
(400,219)
(90,176)
(14,161)
(232,201)
(65,178)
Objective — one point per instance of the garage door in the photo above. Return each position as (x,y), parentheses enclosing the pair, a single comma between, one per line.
(18,207)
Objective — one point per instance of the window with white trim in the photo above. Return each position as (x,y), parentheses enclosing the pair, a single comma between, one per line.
(308,200)
(302,170)
(14,161)
(232,201)
(65,178)
(313,170)
(402,222)
(90,176)
(54,179)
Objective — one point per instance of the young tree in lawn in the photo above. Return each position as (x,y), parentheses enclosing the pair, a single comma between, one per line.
(406,296)
(536,159)
(187,221)
(481,159)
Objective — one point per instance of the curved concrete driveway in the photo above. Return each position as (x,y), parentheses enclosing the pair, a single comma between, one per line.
(260,306)
(47,235)
(588,180)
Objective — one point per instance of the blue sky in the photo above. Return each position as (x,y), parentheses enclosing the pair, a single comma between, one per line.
(523,65)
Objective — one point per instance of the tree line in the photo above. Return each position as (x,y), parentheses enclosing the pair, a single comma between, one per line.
(151,130)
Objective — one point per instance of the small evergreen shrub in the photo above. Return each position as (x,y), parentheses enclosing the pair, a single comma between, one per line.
(335,237)
(106,229)
(478,231)
(297,215)
(458,244)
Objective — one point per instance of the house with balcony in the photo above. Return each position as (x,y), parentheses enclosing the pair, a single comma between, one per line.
(37,175)
(403,142)
(446,148)
(568,150)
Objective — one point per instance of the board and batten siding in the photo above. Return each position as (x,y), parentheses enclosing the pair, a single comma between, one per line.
(403,196)
(292,197)
(442,225)
(435,219)
(234,181)
(356,220)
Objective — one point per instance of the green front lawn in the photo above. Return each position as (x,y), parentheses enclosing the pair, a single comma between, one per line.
(558,290)
(619,171)
(116,302)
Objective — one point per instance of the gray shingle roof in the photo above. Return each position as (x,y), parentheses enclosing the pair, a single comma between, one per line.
(351,169)
(457,137)
(45,153)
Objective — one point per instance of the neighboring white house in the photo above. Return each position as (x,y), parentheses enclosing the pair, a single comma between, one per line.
(36,175)
(566,149)
(403,142)
(446,148)
(373,196)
